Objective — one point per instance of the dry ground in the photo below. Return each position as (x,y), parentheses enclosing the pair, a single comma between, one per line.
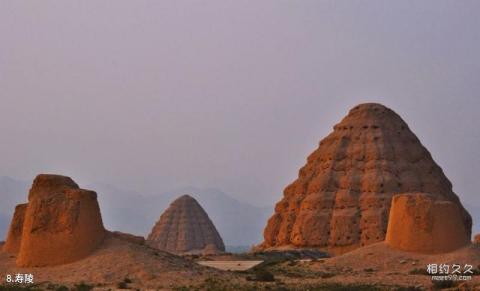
(378,264)
(118,260)
(120,263)
(230,265)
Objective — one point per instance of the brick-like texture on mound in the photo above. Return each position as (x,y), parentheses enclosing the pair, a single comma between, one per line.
(185,228)
(62,223)
(14,236)
(341,199)
(420,223)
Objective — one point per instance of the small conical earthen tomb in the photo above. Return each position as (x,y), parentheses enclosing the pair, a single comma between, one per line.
(60,224)
(185,228)
(341,199)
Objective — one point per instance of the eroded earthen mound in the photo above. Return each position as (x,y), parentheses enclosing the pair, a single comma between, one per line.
(62,223)
(14,236)
(476,239)
(420,223)
(341,199)
(45,185)
(186,228)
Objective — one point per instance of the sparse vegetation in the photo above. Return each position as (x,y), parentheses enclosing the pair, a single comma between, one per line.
(295,269)
(408,289)
(55,287)
(419,271)
(262,275)
(82,287)
(13,287)
(324,275)
(301,272)
(122,285)
(476,271)
(340,287)
(438,285)
(214,284)
(291,255)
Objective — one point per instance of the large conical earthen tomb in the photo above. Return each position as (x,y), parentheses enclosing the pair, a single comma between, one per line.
(342,197)
(185,228)
(60,224)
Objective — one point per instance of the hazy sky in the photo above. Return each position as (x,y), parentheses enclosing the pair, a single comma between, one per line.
(155,95)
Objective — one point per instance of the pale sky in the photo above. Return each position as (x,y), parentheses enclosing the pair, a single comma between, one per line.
(155,95)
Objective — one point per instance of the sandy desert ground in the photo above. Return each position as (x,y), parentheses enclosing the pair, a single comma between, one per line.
(120,264)
(117,261)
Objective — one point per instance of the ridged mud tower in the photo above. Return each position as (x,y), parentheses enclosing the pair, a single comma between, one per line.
(185,228)
(60,224)
(341,199)
(420,223)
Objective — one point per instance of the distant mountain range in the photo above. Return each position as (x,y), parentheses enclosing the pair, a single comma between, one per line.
(12,192)
(240,224)
(4,220)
